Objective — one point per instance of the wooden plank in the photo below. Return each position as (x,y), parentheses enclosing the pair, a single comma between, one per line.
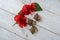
(6,35)
(46,35)
(52,5)
(13,6)
(49,20)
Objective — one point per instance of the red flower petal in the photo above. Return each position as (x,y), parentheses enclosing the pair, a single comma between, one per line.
(21,20)
(22,23)
(26,9)
(32,7)
(17,17)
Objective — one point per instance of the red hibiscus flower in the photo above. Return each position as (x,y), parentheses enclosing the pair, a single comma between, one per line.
(22,23)
(25,10)
(17,17)
(20,20)
(28,9)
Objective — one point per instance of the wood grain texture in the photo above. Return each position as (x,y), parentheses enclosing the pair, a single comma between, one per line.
(50,19)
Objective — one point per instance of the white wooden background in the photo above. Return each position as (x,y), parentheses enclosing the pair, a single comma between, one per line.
(50,19)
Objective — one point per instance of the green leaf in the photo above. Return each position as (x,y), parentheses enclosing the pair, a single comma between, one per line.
(38,8)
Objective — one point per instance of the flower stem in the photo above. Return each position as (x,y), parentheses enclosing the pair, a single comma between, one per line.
(14,24)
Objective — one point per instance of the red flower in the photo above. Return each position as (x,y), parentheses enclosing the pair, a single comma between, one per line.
(32,7)
(21,20)
(25,10)
(22,23)
(17,18)
(28,9)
